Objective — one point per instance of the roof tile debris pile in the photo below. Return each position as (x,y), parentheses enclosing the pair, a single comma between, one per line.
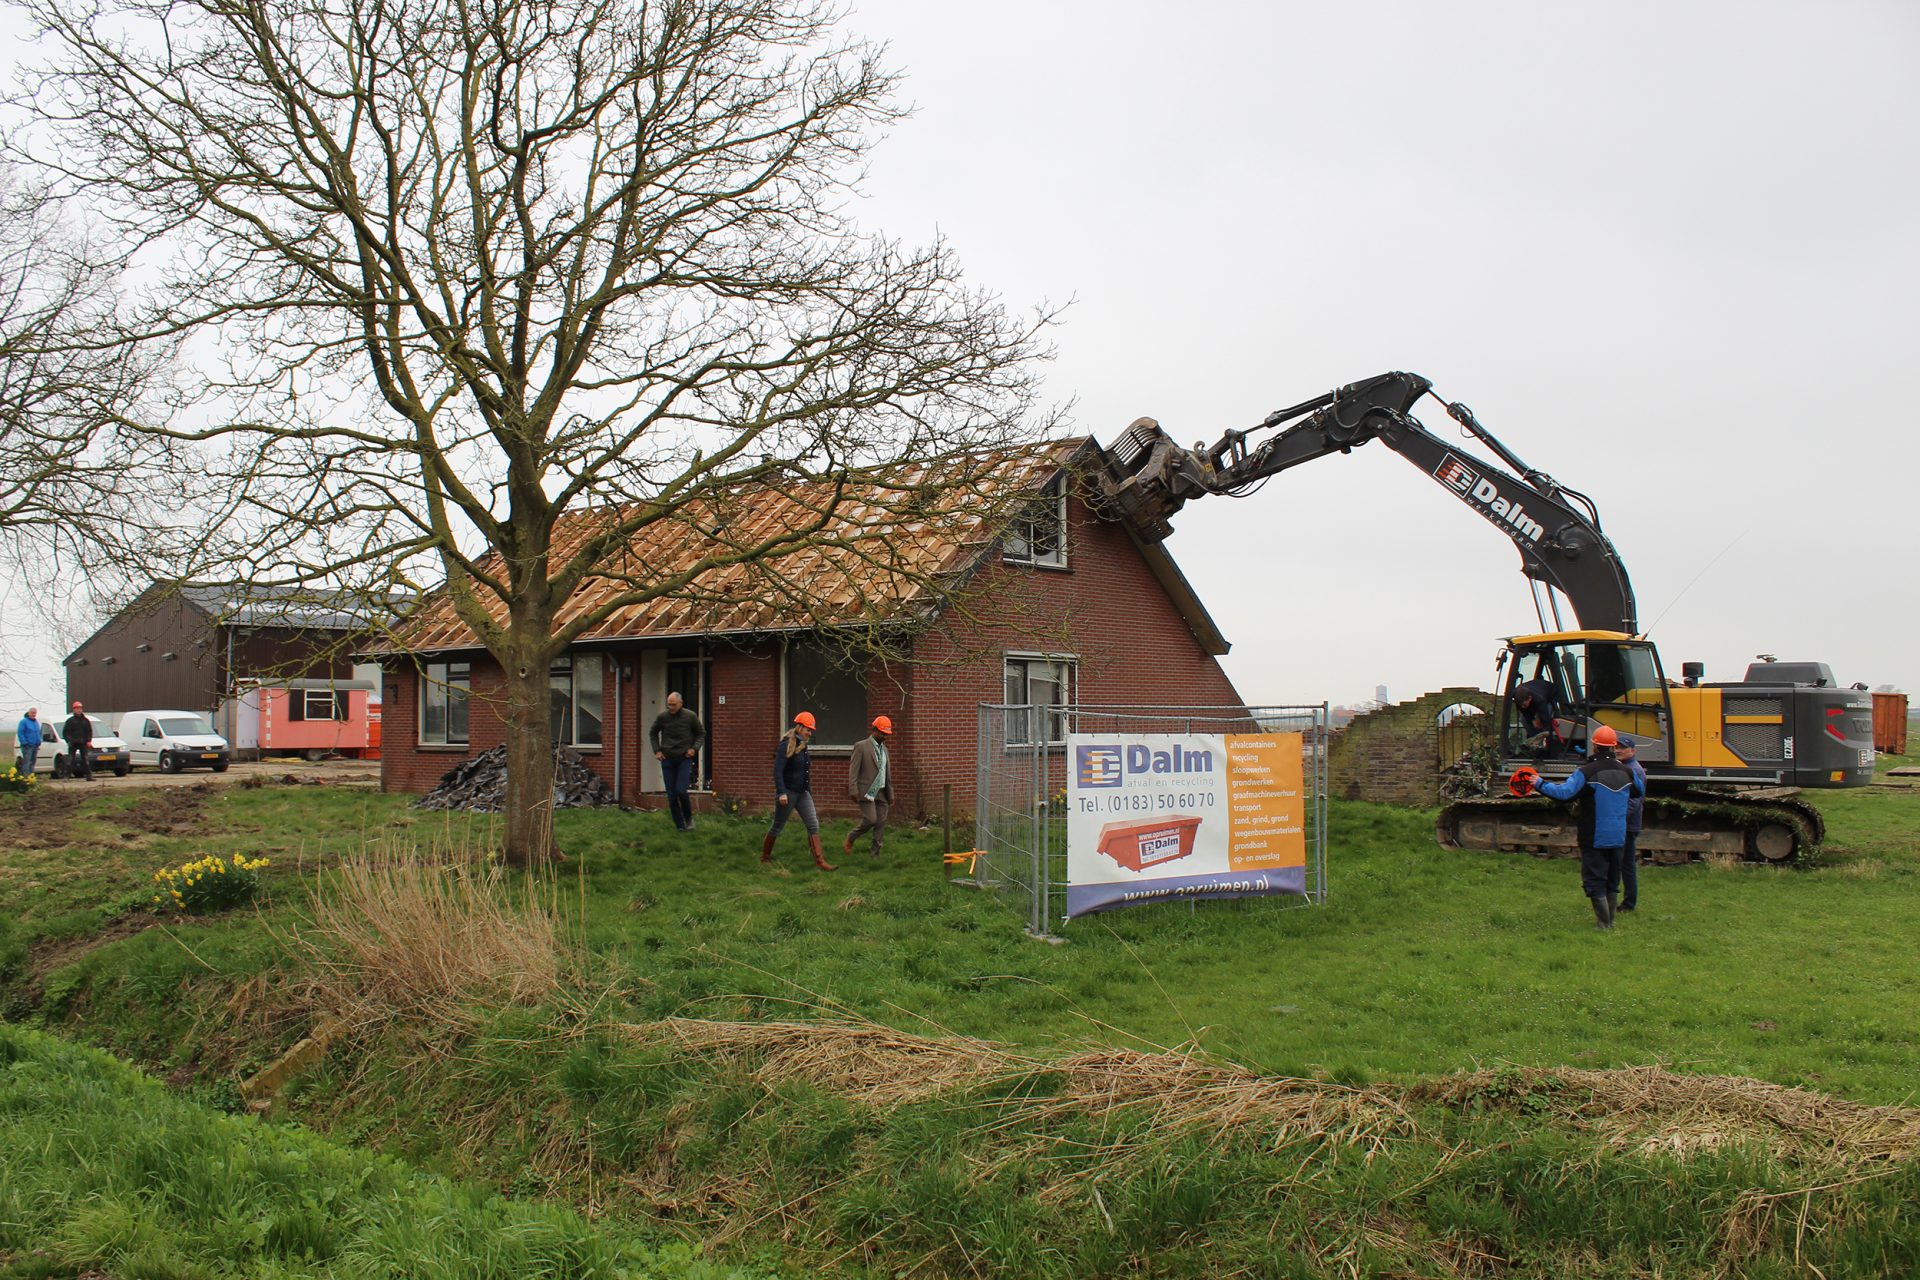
(480,785)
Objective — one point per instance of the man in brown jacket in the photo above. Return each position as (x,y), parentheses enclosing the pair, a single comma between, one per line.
(870,782)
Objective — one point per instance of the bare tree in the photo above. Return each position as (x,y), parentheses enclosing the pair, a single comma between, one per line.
(502,285)
(64,462)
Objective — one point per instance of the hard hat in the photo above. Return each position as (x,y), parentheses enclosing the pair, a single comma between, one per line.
(804,720)
(1604,736)
(882,724)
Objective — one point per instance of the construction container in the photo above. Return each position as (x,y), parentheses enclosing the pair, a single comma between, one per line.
(311,718)
(1890,723)
(1139,845)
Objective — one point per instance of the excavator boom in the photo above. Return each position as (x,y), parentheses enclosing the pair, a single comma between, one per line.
(1555,529)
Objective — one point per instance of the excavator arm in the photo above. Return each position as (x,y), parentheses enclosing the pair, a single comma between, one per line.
(1556,530)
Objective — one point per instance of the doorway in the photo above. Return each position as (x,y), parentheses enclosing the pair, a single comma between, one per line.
(690,678)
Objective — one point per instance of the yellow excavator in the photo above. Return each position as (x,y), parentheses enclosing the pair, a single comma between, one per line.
(1724,761)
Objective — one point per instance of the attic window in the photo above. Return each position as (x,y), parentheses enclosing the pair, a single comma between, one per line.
(1039,535)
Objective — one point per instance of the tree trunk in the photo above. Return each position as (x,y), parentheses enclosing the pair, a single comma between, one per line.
(529,811)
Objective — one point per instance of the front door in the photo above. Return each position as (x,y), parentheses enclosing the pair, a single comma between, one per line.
(688,677)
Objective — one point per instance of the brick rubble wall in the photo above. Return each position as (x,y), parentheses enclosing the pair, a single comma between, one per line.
(1391,756)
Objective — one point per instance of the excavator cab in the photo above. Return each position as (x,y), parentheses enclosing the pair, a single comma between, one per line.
(1599,677)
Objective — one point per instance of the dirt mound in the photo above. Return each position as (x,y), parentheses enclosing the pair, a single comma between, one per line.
(480,785)
(171,811)
(41,821)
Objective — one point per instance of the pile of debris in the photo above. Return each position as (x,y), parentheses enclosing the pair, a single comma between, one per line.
(480,784)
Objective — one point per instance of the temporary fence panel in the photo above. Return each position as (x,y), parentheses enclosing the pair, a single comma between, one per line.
(1027,786)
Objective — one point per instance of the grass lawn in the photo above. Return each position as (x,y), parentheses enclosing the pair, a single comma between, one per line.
(1422,964)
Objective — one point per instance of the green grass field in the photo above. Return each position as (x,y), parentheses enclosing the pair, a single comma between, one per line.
(1422,966)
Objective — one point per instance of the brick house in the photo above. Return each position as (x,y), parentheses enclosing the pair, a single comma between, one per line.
(1076,609)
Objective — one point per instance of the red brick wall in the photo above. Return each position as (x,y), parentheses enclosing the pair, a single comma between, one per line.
(1105,608)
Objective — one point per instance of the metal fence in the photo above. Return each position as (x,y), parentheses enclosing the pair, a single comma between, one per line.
(1020,827)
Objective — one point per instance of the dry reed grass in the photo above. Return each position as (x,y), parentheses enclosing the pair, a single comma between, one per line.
(862,1060)
(1176,1094)
(426,934)
(1652,1109)
(1161,1094)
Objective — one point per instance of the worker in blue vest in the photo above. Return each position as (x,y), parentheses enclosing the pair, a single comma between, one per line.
(1604,788)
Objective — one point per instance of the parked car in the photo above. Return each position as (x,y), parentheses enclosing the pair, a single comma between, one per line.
(107,752)
(174,740)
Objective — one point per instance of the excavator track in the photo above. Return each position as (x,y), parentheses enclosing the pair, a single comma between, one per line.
(1766,825)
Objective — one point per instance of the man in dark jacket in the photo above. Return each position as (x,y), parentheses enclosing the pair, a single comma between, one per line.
(676,736)
(1603,786)
(78,731)
(1538,702)
(1629,880)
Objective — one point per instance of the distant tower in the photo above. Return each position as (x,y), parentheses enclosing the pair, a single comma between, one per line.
(1380,694)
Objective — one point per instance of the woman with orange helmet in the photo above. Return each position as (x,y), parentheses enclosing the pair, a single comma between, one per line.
(793,789)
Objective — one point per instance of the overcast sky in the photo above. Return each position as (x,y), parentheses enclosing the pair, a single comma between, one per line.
(1667,252)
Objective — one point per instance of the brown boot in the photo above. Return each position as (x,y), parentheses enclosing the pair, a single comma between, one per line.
(819,858)
(766,847)
(846,846)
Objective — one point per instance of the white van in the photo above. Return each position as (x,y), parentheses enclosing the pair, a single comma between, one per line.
(108,752)
(174,740)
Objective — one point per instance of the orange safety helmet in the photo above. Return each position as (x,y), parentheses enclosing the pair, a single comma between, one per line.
(883,724)
(804,720)
(1604,736)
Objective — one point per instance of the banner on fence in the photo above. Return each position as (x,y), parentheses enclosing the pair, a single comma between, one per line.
(1156,817)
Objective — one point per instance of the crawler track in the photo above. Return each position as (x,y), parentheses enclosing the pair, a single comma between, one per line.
(1769,825)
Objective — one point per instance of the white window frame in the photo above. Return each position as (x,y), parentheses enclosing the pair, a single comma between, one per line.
(1020,539)
(1069,668)
(450,677)
(333,701)
(568,666)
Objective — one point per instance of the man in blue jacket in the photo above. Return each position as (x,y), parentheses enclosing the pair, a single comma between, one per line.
(1604,787)
(28,736)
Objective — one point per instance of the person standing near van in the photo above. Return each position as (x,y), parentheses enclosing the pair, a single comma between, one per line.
(870,783)
(793,789)
(28,735)
(676,736)
(78,731)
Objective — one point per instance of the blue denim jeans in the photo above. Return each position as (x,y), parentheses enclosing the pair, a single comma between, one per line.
(677,771)
(1629,877)
(800,802)
(29,756)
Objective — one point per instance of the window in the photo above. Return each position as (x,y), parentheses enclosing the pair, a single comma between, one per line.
(1039,536)
(822,678)
(315,704)
(1038,687)
(444,690)
(574,695)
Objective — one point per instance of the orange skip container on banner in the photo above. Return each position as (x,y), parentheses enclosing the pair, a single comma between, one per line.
(1139,845)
